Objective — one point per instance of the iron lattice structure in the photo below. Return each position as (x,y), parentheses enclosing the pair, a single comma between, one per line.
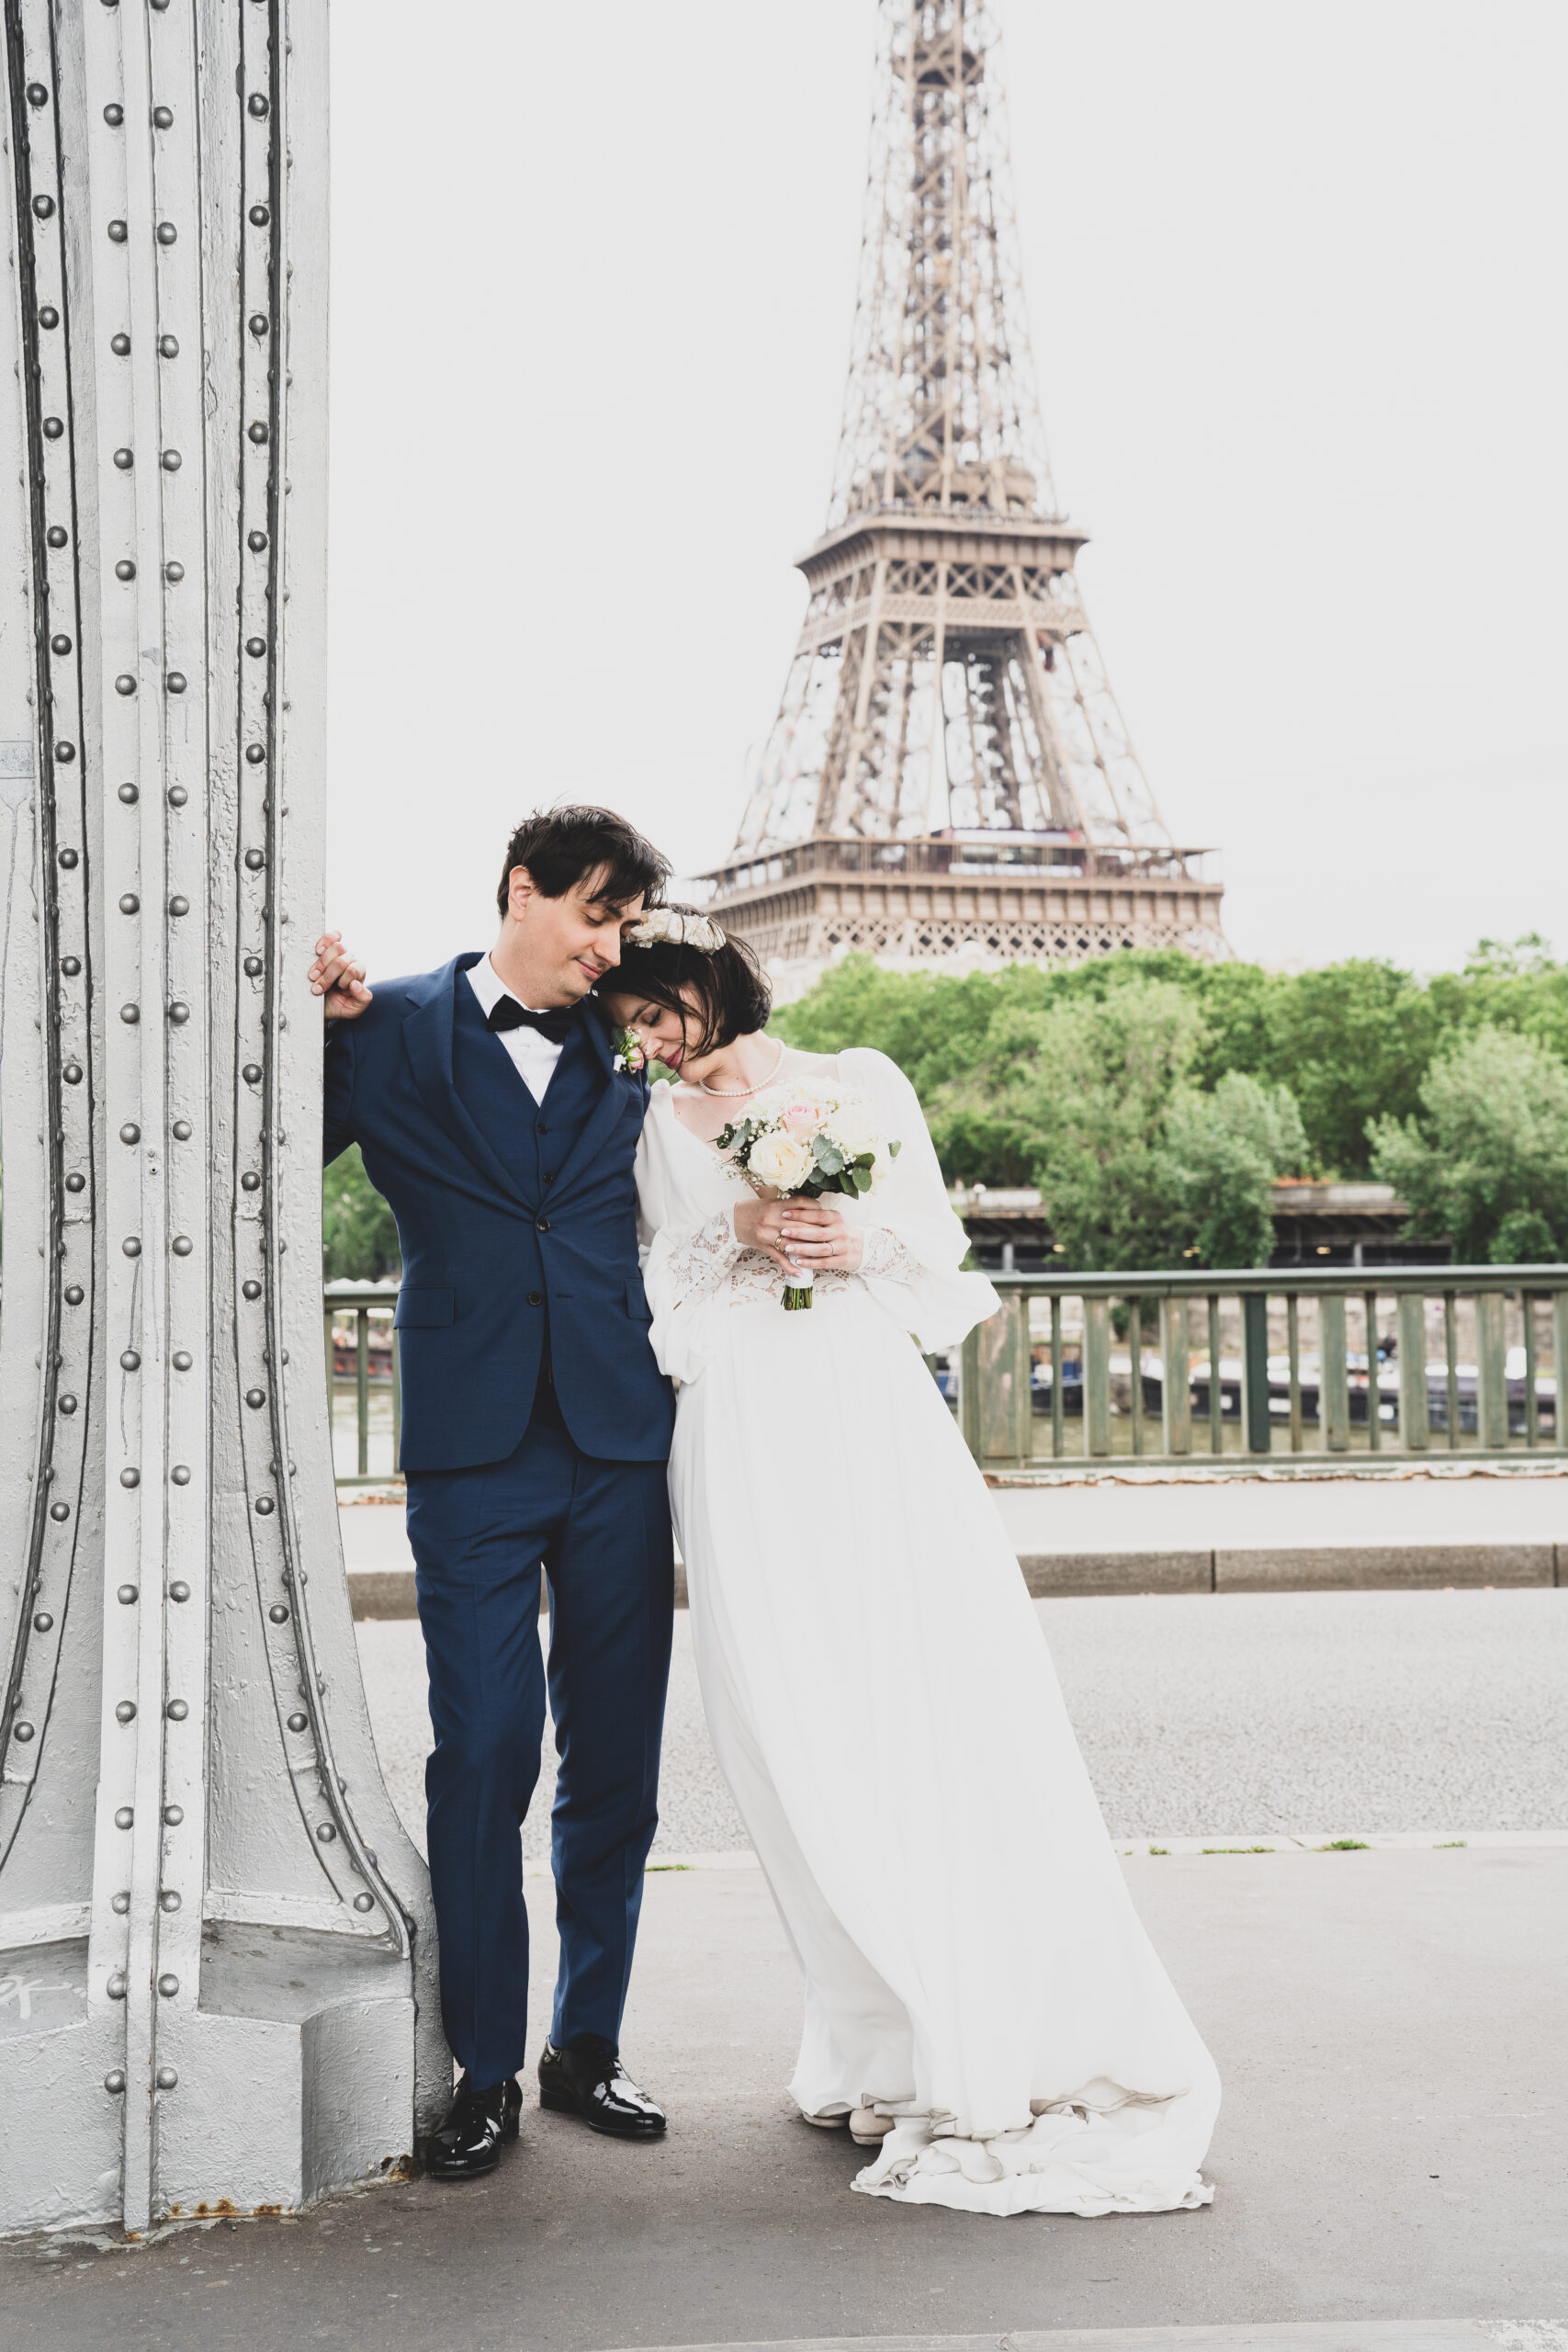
(216,1952)
(949,771)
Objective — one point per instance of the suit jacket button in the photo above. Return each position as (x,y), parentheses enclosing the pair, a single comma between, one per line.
(535,1298)
(543,1225)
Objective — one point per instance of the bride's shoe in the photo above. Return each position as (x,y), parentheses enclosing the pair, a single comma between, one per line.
(827,2122)
(867,2129)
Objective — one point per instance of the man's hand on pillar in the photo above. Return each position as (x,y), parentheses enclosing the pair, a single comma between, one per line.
(337,980)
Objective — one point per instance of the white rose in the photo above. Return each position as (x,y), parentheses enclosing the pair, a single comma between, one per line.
(782,1160)
(854,1129)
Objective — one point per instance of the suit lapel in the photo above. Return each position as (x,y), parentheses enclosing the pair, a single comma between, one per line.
(598,1127)
(428,1038)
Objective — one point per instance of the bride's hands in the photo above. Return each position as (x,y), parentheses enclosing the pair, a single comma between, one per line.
(799,1233)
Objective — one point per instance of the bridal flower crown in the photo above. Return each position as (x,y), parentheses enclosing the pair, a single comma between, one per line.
(670,927)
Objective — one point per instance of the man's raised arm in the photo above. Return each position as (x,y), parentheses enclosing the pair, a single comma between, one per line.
(339,980)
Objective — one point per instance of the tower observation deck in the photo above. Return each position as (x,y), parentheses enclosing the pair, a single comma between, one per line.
(949,775)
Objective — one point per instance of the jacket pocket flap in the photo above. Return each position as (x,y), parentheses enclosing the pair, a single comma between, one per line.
(637,1302)
(424,1310)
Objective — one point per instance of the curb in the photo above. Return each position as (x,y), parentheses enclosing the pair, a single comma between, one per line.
(381,1594)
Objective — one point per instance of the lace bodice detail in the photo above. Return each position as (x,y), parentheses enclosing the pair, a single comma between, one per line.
(706,1262)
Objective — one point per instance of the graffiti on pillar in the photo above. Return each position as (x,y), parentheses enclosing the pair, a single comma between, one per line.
(216,1949)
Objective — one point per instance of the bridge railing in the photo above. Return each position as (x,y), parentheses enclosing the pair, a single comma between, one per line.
(1318,1370)
(362,1365)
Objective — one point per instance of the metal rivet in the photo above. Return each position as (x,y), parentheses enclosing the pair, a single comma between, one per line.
(72,1073)
(255,753)
(75,1184)
(52,428)
(181,1245)
(180,1474)
(177,1711)
(178,906)
(132,1247)
(179,1014)
(254,860)
(43,206)
(65,754)
(126,1712)
(171,461)
(117,233)
(119,1903)
(180,1360)
(266,1506)
(178,795)
(130,1477)
(130,904)
(168,2077)
(256,541)
(68,1404)
(181,1131)
(124,459)
(125,1818)
(174,1814)
(49,316)
(255,647)
(163,116)
(174,573)
(257,104)
(131,1014)
(37,94)
(297,1723)
(23,1732)
(43,1622)
(257,433)
(128,792)
(130,1360)
(114,2084)
(168,347)
(60,645)
(130,1133)
(259,216)
(71,966)
(249,1290)
(125,683)
(252,1074)
(119,345)
(60,1510)
(365,1902)
(278,1614)
(168,1986)
(68,859)
(167,233)
(179,1589)
(113,116)
(169,1900)
(127,1595)
(326,1832)
(126,569)
(257,322)
(254,968)
(115,1988)
(255,1398)
(175,681)
(249,1181)
(57,535)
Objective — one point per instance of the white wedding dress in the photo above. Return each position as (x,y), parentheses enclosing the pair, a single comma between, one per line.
(884,1707)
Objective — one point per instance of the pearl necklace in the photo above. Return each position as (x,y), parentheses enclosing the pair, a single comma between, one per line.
(733,1094)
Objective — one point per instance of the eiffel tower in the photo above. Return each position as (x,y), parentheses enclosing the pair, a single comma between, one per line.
(949,775)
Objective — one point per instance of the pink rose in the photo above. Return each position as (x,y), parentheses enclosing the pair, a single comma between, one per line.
(801,1115)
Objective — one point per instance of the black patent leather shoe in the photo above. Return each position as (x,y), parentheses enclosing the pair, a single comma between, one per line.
(589,2080)
(469,2142)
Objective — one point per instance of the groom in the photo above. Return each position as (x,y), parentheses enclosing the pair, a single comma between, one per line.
(492,1114)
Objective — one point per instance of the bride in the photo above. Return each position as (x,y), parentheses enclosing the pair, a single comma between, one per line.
(982,2003)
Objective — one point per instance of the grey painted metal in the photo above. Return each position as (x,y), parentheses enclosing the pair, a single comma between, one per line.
(216,1946)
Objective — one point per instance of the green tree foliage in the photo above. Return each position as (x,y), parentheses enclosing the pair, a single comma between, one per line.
(360,1239)
(1223,1150)
(1485,1163)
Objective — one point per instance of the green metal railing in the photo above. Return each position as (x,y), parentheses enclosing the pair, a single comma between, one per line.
(1452,1357)
(349,1312)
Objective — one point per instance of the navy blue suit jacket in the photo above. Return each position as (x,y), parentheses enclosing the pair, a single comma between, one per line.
(494,1258)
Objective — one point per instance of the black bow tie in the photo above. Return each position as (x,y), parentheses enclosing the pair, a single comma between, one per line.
(554,1025)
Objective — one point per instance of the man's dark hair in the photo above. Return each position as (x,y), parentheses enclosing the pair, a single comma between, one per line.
(562,846)
(732,997)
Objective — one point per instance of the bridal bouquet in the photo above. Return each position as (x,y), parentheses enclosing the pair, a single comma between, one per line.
(800,1140)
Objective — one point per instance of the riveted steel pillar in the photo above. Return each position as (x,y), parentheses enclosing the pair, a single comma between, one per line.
(216,1946)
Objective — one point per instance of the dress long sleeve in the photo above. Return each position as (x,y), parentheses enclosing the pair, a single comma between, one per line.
(916,1280)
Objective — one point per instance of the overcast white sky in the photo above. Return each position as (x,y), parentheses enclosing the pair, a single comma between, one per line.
(1296,285)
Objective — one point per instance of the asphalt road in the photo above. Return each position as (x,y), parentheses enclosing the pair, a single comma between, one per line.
(1199,1715)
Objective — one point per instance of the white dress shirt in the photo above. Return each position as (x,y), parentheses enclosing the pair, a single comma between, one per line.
(534,1055)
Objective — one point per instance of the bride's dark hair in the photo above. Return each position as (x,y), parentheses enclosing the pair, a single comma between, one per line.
(731,995)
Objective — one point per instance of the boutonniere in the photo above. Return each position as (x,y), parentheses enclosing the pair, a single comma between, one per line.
(629,1054)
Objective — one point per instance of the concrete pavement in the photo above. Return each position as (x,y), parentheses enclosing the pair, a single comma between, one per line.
(1391,2150)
